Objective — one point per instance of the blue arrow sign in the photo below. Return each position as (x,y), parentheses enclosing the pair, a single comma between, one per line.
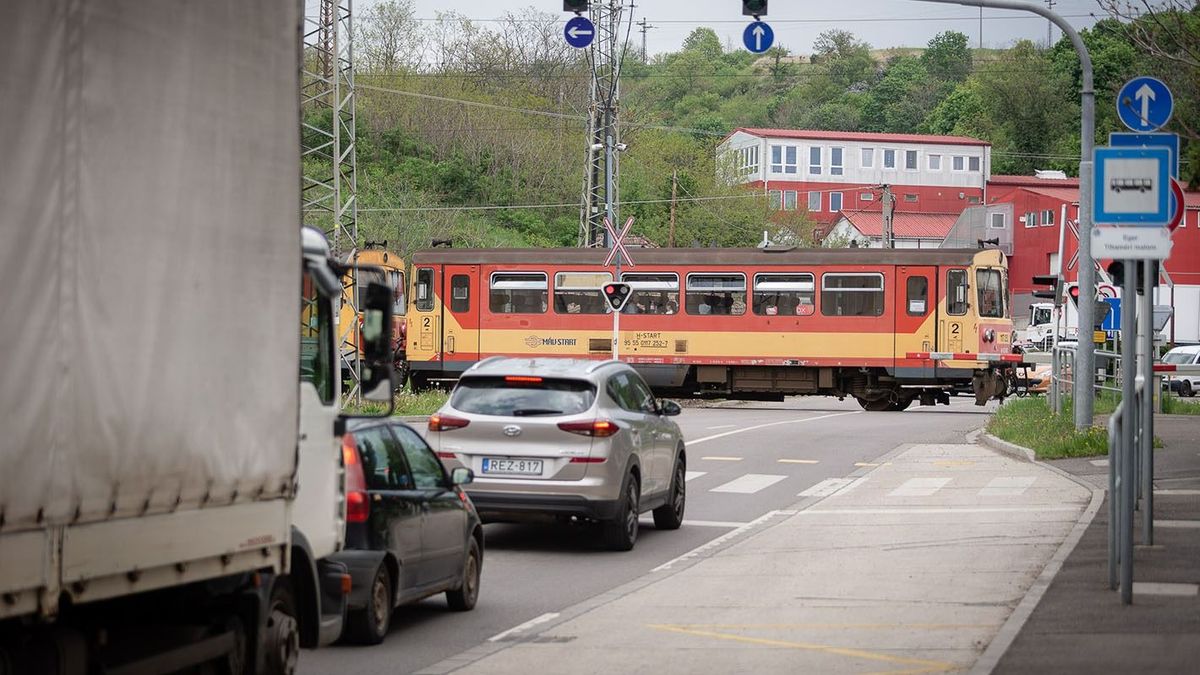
(579,32)
(758,37)
(1144,104)
(1131,186)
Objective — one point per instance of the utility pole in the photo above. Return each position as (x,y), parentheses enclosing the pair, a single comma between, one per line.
(644,27)
(889,207)
(601,179)
(1049,25)
(674,184)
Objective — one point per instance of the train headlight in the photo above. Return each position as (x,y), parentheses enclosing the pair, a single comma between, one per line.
(989,335)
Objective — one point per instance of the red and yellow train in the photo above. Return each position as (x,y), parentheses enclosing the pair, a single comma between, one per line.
(888,327)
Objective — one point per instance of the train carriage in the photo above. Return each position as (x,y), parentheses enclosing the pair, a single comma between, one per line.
(374,264)
(888,327)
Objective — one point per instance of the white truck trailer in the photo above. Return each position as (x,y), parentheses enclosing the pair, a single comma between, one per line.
(169,485)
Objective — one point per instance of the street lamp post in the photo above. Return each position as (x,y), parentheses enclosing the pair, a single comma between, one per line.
(1085,355)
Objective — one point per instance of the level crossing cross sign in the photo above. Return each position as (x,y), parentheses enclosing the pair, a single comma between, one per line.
(618,240)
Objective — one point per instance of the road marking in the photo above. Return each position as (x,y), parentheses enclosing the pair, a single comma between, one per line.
(548,616)
(768,424)
(749,483)
(1164,588)
(952,463)
(1182,524)
(855,483)
(872,464)
(928,666)
(919,487)
(718,458)
(1007,486)
(826,487)
(713,523)
(689,475)
(1176,493)
(714,543)
(798,461)
(997,509)
(722,426)
(1098,462)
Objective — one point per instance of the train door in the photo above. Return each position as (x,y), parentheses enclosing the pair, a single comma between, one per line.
(460,313)
(952,325)
(425,337)
(916,299)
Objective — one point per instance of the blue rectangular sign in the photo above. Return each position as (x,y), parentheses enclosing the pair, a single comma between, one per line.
(1131,186)
(1127,139)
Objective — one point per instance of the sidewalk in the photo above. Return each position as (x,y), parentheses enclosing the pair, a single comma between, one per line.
(1080,625)
(914,565)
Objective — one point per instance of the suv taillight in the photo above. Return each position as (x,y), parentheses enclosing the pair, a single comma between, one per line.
(440,422)
(358,508)
(595,428)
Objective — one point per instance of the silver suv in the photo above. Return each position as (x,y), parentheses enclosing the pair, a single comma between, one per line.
(564,437)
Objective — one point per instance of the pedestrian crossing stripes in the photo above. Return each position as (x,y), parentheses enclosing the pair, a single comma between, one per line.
(688,476)
(919,487)
(826,487)
(749,483)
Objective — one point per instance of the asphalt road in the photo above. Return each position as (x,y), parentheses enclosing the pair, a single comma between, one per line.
(743,461)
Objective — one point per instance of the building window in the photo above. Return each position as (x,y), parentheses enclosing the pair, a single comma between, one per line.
(1031,219)
(814,202)
(789,200)
(1047,217)
(852,294)
(958,163)
(783,159)
(835,202)
(866,196)
(518,293)
(997,221)
(973,200)
(776,199)
(814,161)
(776,159)
(747,159)
(868,157)
(716,294)
(935,162)
(956,292)
(835,161)
(653,292)
(910,160)
(889,159)
(973,164)
(784,294)
(789,159)
(910,198)
(579,292)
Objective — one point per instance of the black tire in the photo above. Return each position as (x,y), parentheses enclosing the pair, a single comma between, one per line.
(1185,389)
(281,637)
(463,598)
(620,533)
(369,625)
(669,516)
(900,404)
(877,405)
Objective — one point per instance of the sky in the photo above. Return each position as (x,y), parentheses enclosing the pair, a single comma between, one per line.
(882,23)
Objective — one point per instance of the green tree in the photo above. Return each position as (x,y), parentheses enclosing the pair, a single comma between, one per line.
(846,59)
(901,99)
(703,41)
(947,57)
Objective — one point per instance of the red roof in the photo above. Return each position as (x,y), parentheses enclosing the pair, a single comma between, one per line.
(859,136)
(1070,195)
(905,224)
(1031,181)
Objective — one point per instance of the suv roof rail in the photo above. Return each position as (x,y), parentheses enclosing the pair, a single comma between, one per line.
(597,366)
(487,360)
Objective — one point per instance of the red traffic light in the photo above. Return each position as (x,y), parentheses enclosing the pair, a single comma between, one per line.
(609,289)
(1073,293)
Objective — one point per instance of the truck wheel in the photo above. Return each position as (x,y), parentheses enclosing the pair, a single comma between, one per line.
(620,533)
(464,597)
(369,626)
(281,638)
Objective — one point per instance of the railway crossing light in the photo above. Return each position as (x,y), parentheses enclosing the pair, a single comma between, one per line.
(1054,293)
(754,8)
(617,295)
(577,6)
(1073,293)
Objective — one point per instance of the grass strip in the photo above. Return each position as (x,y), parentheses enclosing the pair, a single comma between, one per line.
(1029,422)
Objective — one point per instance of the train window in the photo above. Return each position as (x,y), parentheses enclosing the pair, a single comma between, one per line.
(852,294)
(518,293)
(991,293)
(460,293)
(579,292)
(653,292)
(716,294)
(917,296)
(784,294)
(956,292)
(424,289)
(401,304)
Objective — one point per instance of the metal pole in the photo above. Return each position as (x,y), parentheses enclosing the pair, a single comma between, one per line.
(1146,315)
(612,243)
(1114,463)
(1125,483)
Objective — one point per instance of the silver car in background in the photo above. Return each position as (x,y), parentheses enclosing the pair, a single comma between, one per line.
(566,438)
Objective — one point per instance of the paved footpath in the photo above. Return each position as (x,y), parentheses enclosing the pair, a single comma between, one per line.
(913,565)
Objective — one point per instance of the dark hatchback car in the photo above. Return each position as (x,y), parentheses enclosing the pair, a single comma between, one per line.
(411,530)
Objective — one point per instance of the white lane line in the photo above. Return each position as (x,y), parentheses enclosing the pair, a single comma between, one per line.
(1007,486)
(1188,524)
(826,487)
(722,426)
(548,616)
(712,523)
(719,458)
(798,461)
(749,483)
(872,464)
(689,475)
(1098,462)
(901,510)
(919,487)
(768,424)
(714,543)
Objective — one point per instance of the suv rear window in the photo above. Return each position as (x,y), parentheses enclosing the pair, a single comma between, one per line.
(522,396)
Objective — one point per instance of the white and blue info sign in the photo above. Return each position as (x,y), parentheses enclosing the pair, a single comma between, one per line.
(1131,186)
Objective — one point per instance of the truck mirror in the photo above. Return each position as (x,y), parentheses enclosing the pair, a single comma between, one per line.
(377,342)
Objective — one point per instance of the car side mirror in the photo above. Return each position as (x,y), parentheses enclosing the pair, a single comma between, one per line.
(461,475)
(376,334)
(668,408)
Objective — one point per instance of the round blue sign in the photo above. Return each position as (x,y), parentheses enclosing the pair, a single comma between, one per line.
(579,32)
(1144,104)
(758,37)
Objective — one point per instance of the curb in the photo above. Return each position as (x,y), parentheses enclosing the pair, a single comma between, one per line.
(1008,632)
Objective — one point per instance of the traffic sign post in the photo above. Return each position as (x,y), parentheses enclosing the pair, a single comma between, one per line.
(620,290)
(579,32)
(1132,188)
(758,37)
(1144,104)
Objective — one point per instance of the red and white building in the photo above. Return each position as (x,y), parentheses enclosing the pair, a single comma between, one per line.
(828,172)
(864,229)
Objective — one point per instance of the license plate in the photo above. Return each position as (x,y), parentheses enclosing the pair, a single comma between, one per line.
(513,467)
